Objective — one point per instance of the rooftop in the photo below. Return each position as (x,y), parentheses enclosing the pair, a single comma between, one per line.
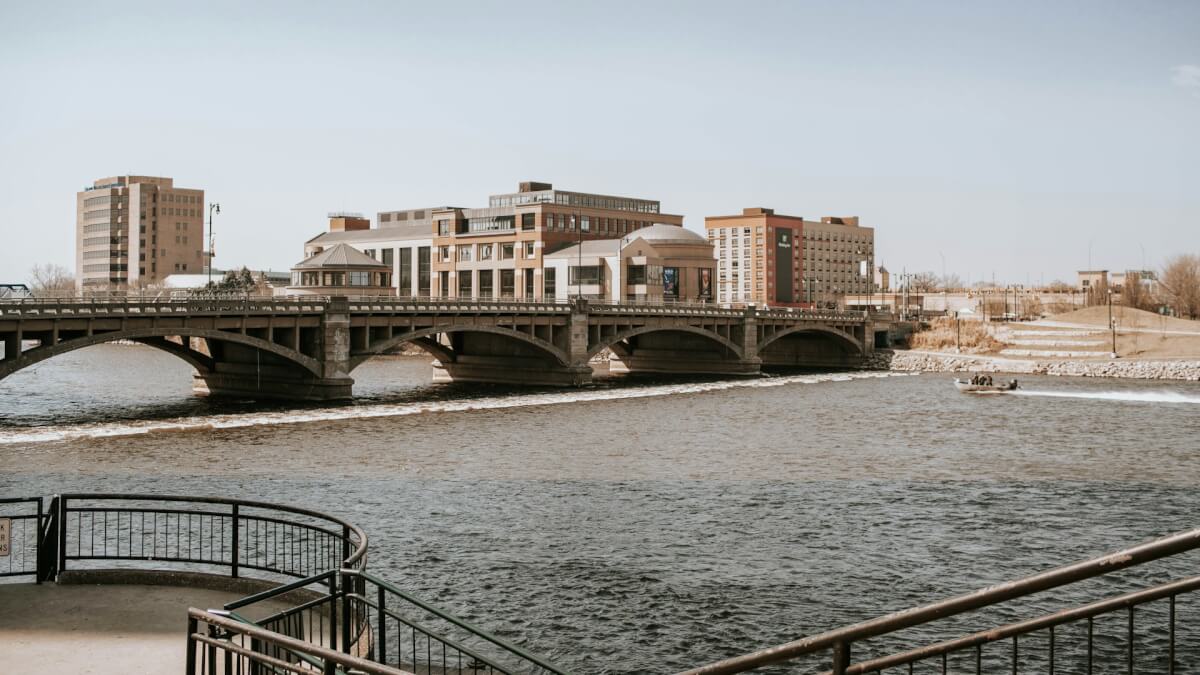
(339,256)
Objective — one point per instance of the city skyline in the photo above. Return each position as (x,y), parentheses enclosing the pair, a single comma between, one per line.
(1023,142)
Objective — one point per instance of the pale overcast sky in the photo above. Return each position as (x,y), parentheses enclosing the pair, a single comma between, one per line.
(1005,136)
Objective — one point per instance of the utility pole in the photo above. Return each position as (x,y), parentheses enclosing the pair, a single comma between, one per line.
(211,208)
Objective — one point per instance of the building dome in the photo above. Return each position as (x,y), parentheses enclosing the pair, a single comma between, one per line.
(662,233)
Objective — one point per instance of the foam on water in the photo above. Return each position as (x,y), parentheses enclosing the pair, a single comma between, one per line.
(240,420)
(1134,396)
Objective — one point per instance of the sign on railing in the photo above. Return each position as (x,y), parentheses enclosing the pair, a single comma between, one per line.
(5,534)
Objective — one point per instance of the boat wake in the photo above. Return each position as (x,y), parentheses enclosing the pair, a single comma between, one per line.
(1132,396)
(372,410)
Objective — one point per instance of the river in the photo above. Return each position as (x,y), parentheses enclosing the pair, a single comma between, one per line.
(648,525)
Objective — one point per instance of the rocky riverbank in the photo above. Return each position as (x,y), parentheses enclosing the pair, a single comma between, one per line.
(939,362)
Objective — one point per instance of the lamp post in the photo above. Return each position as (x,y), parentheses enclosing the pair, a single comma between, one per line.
(213,207)
(1112,324)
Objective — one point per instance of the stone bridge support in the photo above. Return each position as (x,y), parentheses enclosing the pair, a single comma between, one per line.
(243,371)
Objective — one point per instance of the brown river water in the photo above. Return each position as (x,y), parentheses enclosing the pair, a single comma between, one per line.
(647,525)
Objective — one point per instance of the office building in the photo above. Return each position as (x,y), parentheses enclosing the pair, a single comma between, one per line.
(504,244)
(134,231)
(839,259)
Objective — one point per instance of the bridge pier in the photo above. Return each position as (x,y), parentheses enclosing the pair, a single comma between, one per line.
(247,372)
(510,370)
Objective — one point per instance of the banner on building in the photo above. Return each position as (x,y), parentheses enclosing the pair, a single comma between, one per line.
(783,266)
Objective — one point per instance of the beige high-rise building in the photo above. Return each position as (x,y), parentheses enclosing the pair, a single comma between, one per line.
(133,231)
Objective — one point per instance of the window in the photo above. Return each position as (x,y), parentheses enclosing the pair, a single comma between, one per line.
(485,251)
(529,283)
(405,270)
(485,283)
(588,274)
(360,278)
(529,251)
(549,221)
(389,256)
(443,228)
(585,224)
(507,278)
(464,284)
(636,274)
(444,253)
(527,221)
(423,271)
(506,251)
(464,253)
(334,279)
(444,283)
(549,292)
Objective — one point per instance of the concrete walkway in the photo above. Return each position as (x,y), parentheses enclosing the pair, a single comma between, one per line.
(100,629)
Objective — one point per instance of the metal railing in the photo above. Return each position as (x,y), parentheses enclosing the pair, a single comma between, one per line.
(220,644)
(839,643)
(337,617)
(24,537)
(206,533)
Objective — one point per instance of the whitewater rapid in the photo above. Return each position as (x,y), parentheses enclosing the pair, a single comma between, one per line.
(373,410)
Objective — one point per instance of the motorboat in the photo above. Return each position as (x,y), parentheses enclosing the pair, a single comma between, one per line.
(966,387)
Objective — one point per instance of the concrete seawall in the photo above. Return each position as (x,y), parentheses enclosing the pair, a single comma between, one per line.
(940,362)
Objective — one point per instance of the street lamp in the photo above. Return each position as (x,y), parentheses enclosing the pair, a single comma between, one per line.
(214,207)
(1112,324)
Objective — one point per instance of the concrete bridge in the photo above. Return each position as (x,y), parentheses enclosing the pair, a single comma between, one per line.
(306,347)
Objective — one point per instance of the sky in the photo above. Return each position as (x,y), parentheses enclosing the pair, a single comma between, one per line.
(1019,141)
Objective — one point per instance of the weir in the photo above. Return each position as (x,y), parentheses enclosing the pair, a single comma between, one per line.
(307,347)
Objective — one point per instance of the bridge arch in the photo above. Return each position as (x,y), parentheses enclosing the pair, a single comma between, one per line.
(609,341)
(425,339)
(155,337)
(842,337)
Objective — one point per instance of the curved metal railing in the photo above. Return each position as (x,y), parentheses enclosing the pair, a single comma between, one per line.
(316,562)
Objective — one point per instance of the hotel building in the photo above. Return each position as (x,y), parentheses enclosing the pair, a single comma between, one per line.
(764,258)
(134,231)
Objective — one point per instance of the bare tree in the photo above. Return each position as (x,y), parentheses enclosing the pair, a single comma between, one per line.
(1134,293)
(50,279)
(952,282)
(1059,286)
(924,282)
(1180,282)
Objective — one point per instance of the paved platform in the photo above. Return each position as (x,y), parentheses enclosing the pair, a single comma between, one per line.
(101,629)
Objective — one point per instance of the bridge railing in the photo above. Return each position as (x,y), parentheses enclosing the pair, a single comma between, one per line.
(76,306)
(968,650)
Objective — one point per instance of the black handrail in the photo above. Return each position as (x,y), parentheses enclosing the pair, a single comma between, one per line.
(1088,611)
(839,640)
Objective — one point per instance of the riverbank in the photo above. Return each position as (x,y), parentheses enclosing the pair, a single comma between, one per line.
(947,362)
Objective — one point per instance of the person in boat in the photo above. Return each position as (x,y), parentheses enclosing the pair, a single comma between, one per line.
(987,379)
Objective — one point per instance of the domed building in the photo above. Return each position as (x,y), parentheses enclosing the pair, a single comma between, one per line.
(659,263)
